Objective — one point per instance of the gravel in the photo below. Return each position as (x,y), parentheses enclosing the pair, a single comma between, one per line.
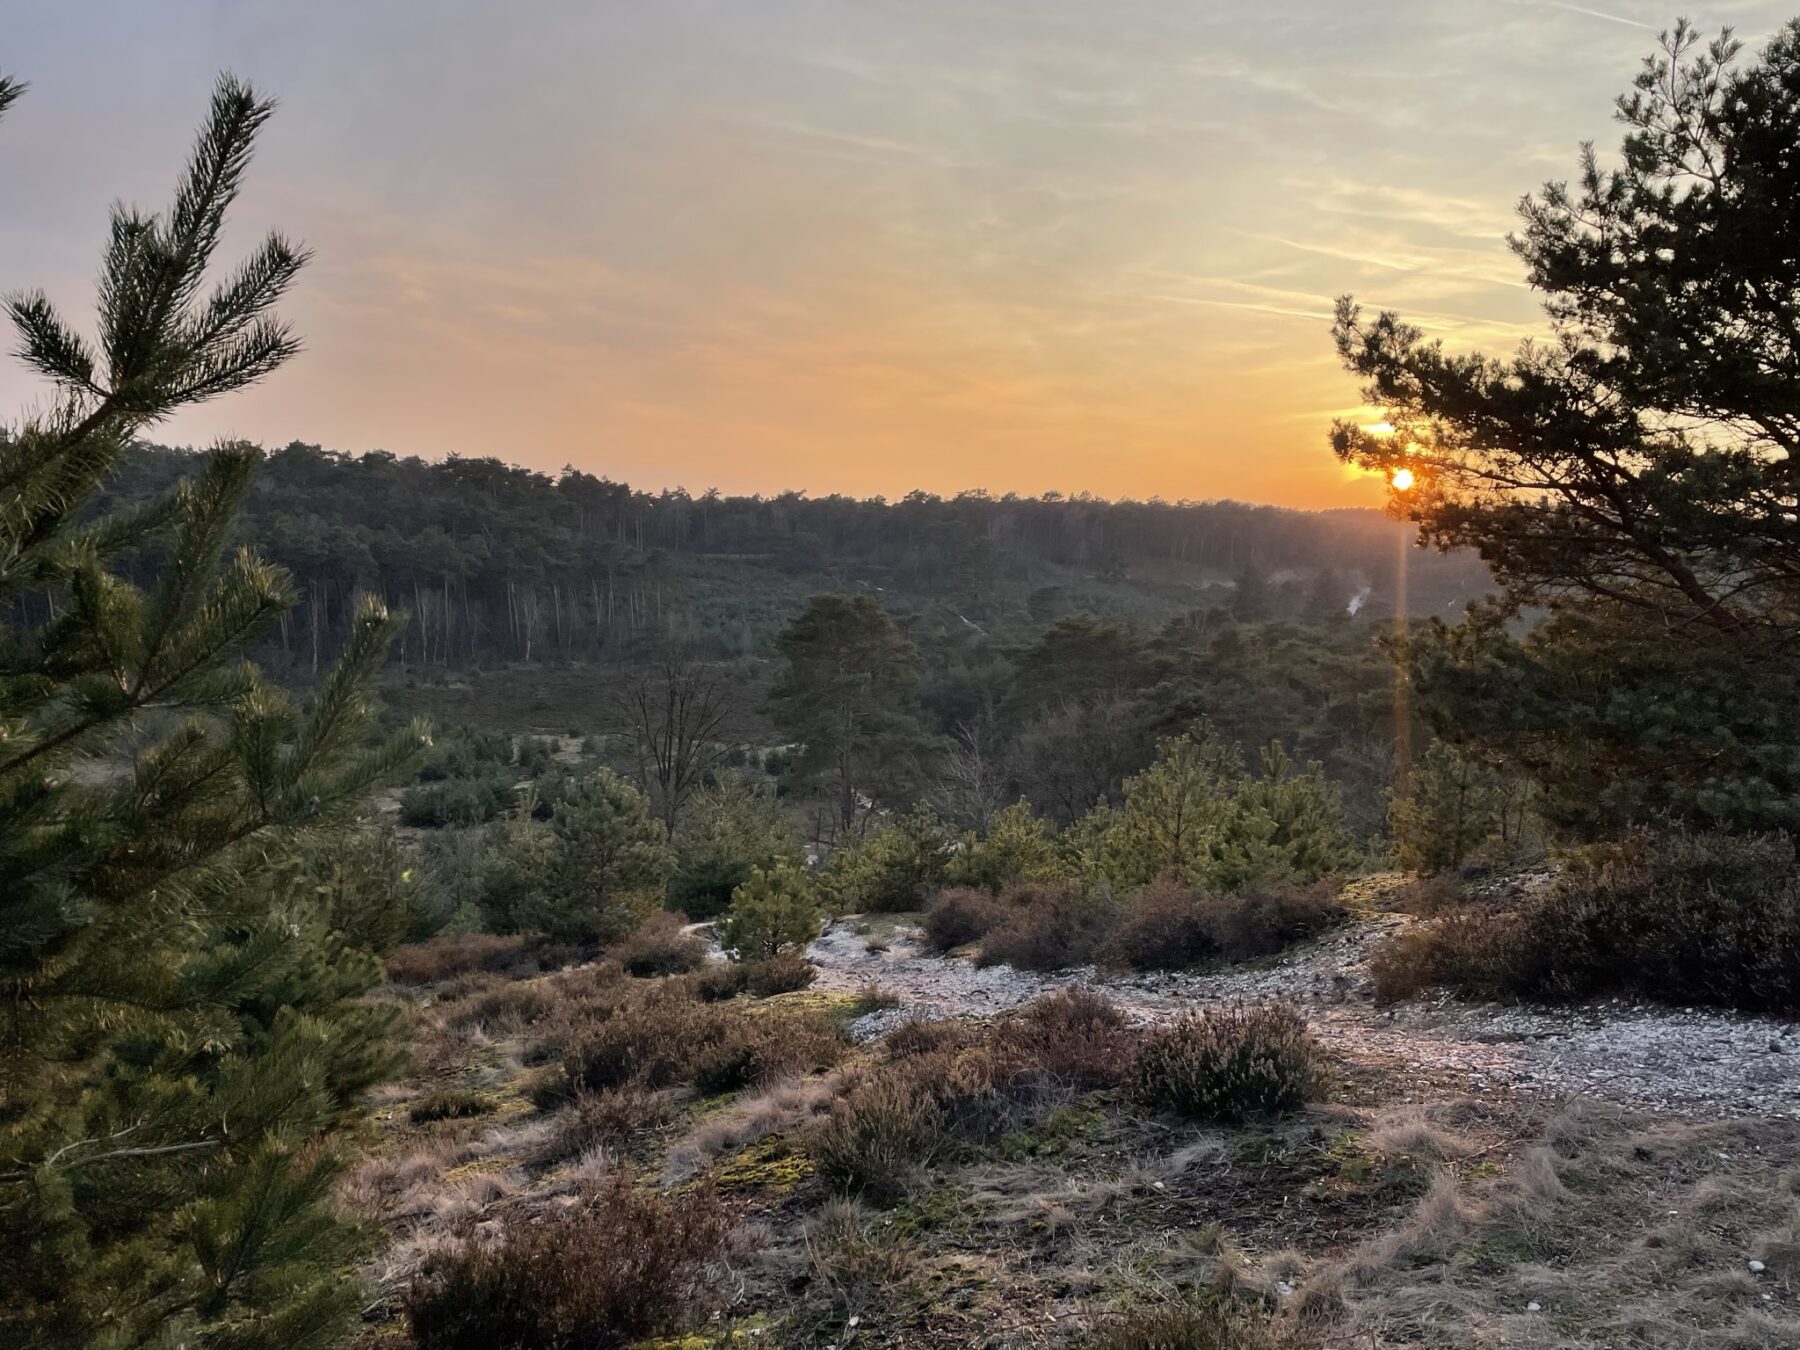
(1685,1061)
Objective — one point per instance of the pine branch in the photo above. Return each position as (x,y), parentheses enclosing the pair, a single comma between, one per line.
(10,90)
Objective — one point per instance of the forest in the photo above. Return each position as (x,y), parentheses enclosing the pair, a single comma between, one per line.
(493,562)
(444,905)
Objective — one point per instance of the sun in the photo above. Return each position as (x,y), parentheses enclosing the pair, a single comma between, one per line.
(1402,479)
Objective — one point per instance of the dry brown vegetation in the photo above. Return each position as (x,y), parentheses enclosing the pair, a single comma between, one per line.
(638,1157)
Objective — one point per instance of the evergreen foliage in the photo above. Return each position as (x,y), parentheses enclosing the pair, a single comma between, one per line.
(773,911)
(729,829)
(849,696)
(1195,816)
(1017,847)
(1636,474)
(895,868)
(182,1036)
(591,875)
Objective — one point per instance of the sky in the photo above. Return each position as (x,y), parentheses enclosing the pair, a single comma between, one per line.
(863,246)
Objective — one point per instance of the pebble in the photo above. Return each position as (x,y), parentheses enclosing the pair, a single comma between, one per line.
(1757,1267)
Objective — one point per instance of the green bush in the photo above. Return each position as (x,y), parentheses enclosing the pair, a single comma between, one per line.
(1018,847)
(620,1266)
(726,832)
(1706,918)
(895,869)
(1229,1064)
(773,911)
(456,801)
(591,876)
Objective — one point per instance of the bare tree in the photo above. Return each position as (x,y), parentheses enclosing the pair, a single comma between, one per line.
(972,777)
(680,717)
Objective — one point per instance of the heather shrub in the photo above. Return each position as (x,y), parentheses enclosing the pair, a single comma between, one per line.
(1075,1036)
(919,1036)
(959,915)
(620,1266)
(1230,1063)
(443,958)
(660,947)
(609,1119)
(783,974)
(1165,926)
(1705,918)
(449,1104)
(669,1039)
(878,1135)
(1170,926)
(1050,928)
(1268,916)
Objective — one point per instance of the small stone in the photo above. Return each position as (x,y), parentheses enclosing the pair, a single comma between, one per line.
(1757,1267)
(1533,1307)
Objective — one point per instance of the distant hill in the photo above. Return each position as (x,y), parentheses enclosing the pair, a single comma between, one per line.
(500,563)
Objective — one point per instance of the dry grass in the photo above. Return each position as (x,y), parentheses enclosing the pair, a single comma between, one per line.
(1622,1232)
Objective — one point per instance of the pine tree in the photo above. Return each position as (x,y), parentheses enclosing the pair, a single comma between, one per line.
(1638,475)
(181,1035)
(774,910)
(849,695)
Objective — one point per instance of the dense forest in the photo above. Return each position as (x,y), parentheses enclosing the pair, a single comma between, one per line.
(499,563)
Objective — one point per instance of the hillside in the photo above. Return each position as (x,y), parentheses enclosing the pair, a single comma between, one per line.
(500,563)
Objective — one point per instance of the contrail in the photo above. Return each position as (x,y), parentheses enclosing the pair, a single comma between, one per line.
(1594,14)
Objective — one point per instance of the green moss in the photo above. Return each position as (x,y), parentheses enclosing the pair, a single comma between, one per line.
(770,1165)
(1057,1135)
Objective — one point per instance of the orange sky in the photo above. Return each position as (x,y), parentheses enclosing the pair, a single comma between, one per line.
(864,247)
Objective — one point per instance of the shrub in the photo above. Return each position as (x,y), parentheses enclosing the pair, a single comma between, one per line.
(445,958)
(1229,1063)
(727,831)
(783,974)
(456,801)
(660,947)
(1074,1035)
(1170,926)
(878,1135)
(1166,926)
(1049,928)
(450,1104)
(959,915)
(776,909)
(1018,847)
(618,1267)
(1685,917)
(610,1119)
(511,1007)
(668,1039)
(1267,916)
(895,868)
(919,1036)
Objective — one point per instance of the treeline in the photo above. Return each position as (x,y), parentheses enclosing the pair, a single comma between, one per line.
(497,562)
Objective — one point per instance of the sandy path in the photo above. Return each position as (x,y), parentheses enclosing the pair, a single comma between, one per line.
(1680,1060)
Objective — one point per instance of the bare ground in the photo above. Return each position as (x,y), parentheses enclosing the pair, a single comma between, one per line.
(1688,1061)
